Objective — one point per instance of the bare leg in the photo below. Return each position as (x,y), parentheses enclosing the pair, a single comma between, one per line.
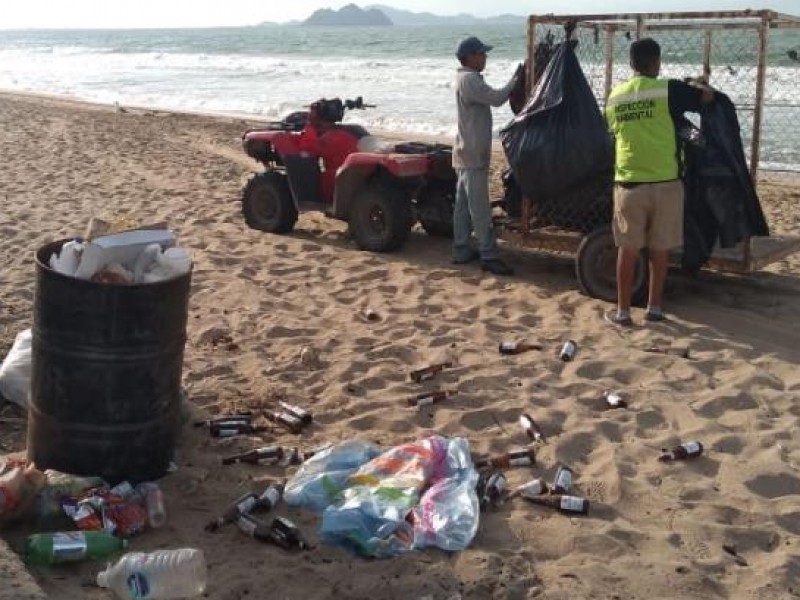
(659,262)
(626,267)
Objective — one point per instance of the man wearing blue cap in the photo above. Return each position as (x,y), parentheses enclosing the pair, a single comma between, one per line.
(472,155)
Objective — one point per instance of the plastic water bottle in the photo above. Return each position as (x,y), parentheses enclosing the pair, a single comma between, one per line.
(154,503)
(145,261)
(159,575)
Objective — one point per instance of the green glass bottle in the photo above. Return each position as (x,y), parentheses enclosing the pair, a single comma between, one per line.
(71,546)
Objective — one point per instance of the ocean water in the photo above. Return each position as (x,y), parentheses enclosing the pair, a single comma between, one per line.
(407,72)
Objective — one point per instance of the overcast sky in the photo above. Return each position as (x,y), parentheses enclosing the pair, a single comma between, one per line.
(209,13)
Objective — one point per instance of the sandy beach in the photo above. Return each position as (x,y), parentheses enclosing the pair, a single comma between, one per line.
(655,531)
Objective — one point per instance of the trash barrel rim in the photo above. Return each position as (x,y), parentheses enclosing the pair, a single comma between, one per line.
(40,263)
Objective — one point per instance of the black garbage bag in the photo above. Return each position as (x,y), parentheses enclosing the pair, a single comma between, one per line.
(559,148)
(721,204)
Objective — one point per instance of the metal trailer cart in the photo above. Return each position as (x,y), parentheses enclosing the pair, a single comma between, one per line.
(731,48)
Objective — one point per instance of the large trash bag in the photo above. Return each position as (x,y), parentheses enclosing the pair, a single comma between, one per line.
(559,147)
(721,204)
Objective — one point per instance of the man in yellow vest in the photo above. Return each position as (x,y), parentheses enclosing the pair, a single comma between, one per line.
(648,191)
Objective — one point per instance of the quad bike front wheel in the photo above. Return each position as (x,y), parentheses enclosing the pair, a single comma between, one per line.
(380,218)
(435,206)
(596,268)
(267,203)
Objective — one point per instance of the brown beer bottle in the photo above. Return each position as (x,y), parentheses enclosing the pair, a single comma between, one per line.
(568,350)
(251,526)
(268,455)
(270,497)
(491,488)
(304,415)
(282,532)
(428,398)
(684,451)
(682,352)
(531,428)
(226,430)
(566,504)
(562,482)
(371,315)
(244,417)
(509,348)
(286,534)
(429,372)
(241,506)
(286,420)
(516,458)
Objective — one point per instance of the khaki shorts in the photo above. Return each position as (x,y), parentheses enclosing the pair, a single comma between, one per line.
(649,215)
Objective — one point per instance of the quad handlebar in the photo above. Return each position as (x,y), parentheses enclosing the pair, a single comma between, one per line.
(357,103)
(333,110)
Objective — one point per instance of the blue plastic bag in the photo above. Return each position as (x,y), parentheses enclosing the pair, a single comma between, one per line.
(320,480)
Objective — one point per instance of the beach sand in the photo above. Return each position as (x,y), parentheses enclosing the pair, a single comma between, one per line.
(654,530)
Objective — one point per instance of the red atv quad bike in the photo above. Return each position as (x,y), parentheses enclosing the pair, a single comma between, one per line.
(345,173)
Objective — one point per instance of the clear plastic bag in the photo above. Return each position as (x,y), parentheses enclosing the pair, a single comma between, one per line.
(15,372)
(411,496)
(448,513)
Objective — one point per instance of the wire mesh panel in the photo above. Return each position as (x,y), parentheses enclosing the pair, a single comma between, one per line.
(725,47)
(752,56)
(780,127)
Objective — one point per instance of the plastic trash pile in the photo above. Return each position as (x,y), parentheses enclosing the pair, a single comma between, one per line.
(144,255)
(385,503)
(15,372)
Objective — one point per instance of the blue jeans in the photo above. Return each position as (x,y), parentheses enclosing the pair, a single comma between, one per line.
(473,210)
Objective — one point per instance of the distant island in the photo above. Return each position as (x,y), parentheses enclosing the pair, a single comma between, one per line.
(381,15)
(409,18)
(348,16)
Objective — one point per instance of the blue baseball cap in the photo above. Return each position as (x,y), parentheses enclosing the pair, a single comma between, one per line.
(471,45)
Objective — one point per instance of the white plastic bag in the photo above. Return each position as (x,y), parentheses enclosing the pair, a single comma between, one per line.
(15,372)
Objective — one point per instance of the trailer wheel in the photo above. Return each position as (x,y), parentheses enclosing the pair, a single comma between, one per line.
(596,268)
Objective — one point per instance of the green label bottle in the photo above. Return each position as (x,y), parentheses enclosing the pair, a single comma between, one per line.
(71,546)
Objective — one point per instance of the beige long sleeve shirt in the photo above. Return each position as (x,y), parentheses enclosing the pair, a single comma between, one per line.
(474,98)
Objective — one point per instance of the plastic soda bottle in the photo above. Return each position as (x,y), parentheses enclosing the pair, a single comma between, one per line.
(153,503)
(159,575)
(70,546)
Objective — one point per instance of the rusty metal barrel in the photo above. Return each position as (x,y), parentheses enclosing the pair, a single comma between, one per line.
(106,374)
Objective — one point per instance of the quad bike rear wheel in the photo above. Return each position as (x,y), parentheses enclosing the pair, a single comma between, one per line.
(267,203)
(435,206)
(380,218)
(596,268)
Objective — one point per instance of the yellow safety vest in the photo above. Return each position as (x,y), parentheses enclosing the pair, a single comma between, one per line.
(637,113)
